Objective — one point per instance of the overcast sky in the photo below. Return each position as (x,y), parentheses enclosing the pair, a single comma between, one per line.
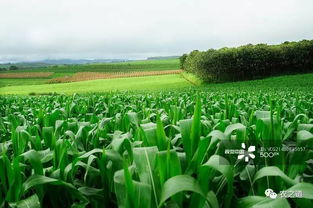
(40,29)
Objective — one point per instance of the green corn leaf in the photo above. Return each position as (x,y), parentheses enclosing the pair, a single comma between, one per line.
(161,137)
(37,180)
(48,137)
(198,157)
(168,165)
(307,127)
(298,158)
(279,202)
(30,202)
(262,114)
(240,130)
(273,171)
(34,159)
(261,202)
(196,127)
(212,200)
(141,192)
(304,136)
(129,186)
(207,172)
(133,118)
(185,129)
(145,160)
(88,191)
(306,188)
(179,184)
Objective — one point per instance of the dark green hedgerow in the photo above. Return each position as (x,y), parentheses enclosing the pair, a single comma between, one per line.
(250,61)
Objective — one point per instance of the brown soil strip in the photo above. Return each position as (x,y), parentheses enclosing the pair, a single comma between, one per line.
(26,75)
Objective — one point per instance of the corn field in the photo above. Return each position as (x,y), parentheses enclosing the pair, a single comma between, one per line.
(162,149)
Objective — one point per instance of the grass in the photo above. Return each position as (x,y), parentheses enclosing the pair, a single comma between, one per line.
(5,82)
(21,82)
(302,82)
(286,82)
(134,83)
(193,79)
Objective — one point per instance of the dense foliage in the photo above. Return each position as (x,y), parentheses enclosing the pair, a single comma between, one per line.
(182,60)
(12,67)
(154,149)
(250,61)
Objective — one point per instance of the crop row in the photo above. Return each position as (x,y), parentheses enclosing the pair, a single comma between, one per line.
(82,76)
(26,75)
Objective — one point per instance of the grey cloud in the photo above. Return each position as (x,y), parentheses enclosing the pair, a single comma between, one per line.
(37,29)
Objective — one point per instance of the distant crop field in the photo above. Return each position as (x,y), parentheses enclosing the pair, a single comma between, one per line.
(65,73)
(83,76)
(144,65)
(26,75)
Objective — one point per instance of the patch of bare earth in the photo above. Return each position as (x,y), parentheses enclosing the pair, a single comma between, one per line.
(83,76)
(26,75)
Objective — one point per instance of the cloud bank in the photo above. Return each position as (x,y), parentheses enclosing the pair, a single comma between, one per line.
(37,29)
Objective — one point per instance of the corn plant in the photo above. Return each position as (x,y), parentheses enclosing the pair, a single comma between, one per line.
(165,149)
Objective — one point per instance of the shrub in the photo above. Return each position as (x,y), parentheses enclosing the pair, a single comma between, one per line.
(182,60)
(13,67)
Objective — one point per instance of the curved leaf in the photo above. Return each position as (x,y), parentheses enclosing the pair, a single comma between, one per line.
(178,184)
(30,202)
(273,171)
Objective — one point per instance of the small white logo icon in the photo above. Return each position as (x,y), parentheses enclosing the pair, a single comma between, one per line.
(270,193)
(247,154)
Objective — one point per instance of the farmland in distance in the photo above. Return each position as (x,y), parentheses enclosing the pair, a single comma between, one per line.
(68,73)
(153,141)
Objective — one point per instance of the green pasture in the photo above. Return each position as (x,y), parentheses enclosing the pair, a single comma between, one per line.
(161,82)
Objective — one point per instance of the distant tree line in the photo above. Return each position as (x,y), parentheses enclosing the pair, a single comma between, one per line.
(250,61)
(9,68)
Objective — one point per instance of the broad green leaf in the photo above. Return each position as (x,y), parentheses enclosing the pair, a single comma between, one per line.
(48,137)
(262,202)
(262,114)
(141,192)
(279,202)
(207,172)
(196,127)
(30,202)
(272,171)
(179,184)
(305,188)
(240,130)
(161,137)
(185,129)
(88,191)
(145,160)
